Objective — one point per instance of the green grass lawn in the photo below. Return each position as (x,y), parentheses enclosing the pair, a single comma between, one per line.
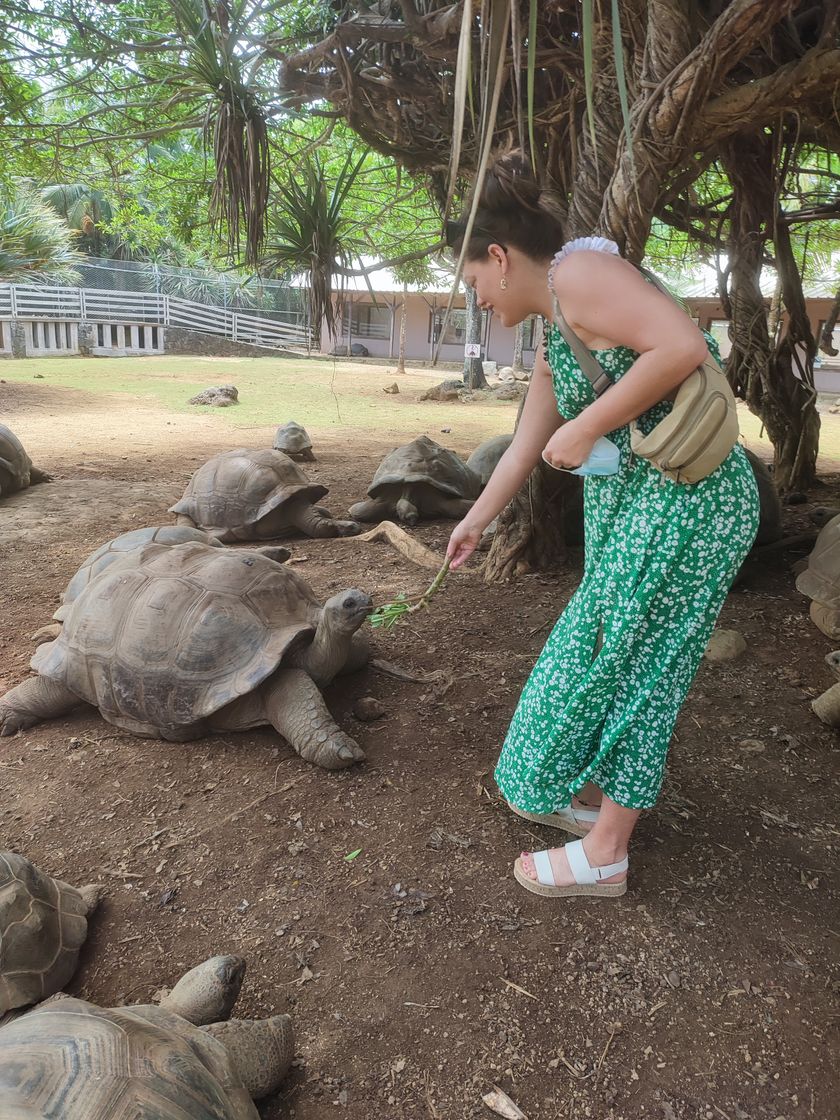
(319,393)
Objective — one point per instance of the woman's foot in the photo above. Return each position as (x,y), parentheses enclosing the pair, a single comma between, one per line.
(561,870)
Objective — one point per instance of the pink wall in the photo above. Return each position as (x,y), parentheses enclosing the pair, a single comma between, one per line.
(418,347)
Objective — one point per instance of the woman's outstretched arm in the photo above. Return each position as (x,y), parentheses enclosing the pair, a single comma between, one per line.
(538,422)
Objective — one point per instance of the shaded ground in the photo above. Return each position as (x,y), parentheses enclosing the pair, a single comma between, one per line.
(418,973)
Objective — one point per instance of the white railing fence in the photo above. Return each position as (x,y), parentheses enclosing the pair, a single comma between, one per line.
(36,304)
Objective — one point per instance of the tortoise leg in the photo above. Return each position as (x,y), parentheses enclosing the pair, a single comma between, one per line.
(407,511)
(373,509)
(260,1050)
(445,506)
(36,476)
(32,701)
(295,707)
(184,519)
(312,521)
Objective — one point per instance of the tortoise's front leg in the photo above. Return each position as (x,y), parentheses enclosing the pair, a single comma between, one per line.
(295,707)
(32,701)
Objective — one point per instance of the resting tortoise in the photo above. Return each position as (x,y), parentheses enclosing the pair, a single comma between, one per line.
(486,456)
(294,441)
(246,495)
(71,1060)
(820,580)
(16,469)
(178,641)
(419,479)
(43,925)
(827,705)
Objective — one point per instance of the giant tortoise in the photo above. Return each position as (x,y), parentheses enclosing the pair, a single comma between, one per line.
(486,456)
(821,580)
(16,469)
(178,641)
(294,441)
(43,925)
(419,479)
(246,495)
(72,1060)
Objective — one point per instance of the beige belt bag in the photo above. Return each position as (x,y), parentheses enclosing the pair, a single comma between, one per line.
(699,432)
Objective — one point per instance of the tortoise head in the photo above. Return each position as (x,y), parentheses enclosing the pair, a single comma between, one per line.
(345,612)
(207,992)
(833,661)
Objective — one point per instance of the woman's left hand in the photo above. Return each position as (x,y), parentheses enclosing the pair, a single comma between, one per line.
(569,446)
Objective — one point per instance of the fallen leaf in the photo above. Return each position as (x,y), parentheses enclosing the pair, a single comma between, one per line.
(499,1102)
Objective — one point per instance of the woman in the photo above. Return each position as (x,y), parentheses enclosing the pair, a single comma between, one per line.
(586,749)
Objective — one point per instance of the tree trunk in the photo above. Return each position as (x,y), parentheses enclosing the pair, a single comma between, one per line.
(762,370)
(473,370)
(401,359)
(518,341)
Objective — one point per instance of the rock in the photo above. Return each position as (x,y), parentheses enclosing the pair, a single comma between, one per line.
(752,746)
(218,395)
(368,708)
(512,392)
(795,498)
(725,645)
(40,376)
(393,388)
(506,374)
(355,350)
(446,391)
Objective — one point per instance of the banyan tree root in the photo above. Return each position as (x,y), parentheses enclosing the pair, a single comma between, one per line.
(439,679)
(406,545)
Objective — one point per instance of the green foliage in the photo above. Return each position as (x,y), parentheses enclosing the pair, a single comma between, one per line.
(36,245)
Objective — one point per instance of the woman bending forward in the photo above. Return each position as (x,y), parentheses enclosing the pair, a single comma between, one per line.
(586,748)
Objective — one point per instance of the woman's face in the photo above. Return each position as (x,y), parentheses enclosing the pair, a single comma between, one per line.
(485,276)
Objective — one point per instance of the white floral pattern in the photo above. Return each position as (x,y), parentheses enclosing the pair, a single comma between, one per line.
(660,558)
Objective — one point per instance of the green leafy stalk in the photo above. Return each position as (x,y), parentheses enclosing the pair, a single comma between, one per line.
(389,614)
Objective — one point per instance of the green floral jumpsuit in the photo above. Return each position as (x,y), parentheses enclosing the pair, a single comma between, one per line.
(660,558)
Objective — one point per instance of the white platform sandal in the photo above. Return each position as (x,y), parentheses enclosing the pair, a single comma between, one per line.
(570,819)
(587,878)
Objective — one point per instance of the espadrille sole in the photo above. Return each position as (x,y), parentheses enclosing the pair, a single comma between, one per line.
(553,820)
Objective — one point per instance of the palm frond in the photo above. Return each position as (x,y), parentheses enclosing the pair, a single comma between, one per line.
(36,245)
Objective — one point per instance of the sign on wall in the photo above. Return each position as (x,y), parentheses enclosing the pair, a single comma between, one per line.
(472,350)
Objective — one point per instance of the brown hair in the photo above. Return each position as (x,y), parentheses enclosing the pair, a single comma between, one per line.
(512,210)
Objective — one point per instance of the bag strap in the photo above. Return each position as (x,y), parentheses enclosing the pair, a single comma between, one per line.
(593,369)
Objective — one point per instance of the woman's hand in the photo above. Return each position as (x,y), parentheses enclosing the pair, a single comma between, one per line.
(570,446)
(462,543)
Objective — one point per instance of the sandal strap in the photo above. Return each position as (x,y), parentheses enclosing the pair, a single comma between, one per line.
(542,866)
(586,815)
(581,868)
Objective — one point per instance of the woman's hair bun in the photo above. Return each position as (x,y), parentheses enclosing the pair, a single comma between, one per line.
(510,184)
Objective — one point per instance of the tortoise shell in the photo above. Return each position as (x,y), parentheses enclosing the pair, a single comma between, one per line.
(15,464)
(821,579)
(72,1060)
(486,456)
(166,638)
(43,925)
(239,488)
(117,548)
(292,439)
(424,461)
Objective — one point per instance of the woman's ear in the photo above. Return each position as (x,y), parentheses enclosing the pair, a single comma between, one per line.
(498,254)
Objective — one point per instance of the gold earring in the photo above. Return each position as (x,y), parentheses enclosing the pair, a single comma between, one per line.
(504,283)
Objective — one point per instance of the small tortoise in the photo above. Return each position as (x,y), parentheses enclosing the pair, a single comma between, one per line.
(486,456)
(294,441)
(178,641)
(419,479)
(827,705)
(16,470)
(246,495)
(43,925)
(72,1060)
(821,580)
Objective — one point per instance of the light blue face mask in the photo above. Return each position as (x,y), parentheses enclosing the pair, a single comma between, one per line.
(603,459)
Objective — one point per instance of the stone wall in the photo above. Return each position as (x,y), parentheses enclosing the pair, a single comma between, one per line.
(181,341)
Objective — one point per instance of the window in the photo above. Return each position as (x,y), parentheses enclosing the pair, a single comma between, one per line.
(456,328)
(367,320)
(822,358)
(531,333)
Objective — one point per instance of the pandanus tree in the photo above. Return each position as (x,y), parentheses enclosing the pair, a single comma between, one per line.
(622,108)
(36,244)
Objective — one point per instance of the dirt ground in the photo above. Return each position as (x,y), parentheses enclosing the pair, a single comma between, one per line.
(418,973)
